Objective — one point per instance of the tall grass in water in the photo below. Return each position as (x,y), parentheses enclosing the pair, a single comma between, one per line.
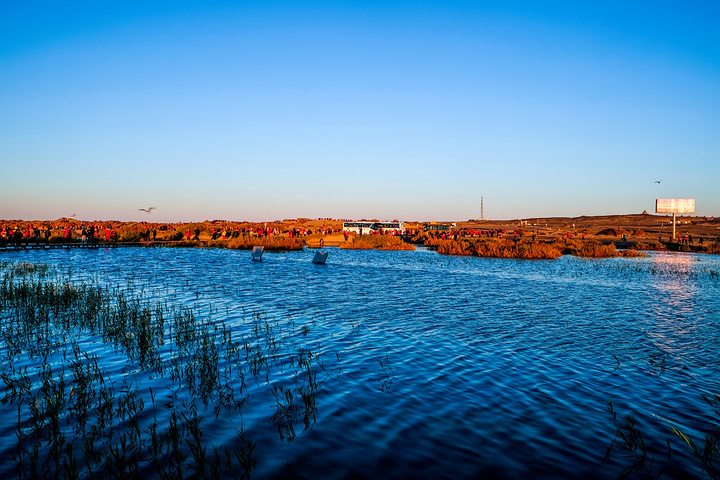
(76,420)
(654,459)
(376,242)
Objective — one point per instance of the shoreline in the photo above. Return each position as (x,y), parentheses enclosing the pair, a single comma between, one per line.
(624,232)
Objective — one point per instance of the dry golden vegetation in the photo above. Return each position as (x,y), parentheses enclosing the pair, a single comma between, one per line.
(593,248)
(376,242)
(537,250)
(496,248)
(273,242)
(713,248)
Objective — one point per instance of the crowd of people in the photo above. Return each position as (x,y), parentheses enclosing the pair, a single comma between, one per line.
(25,234)
(688,239)
(92,233)
(45,233)
(230,232)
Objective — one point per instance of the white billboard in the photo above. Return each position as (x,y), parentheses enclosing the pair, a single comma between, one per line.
(675,205)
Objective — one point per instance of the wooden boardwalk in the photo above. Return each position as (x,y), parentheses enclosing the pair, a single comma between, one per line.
(43,246)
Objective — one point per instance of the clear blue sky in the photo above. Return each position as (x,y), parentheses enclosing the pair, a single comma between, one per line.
(412,110)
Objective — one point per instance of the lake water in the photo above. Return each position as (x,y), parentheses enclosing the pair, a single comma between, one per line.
(440,366)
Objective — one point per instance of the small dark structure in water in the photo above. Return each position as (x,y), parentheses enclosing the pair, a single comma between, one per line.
(320,257)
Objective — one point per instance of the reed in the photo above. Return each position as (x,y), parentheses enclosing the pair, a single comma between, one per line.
(713,248)
(630,439)
(131,236)
(286,412)
(632,444)
(376,242)
(527,250)
(709,452)
(245,242)
(175,236)
(273,242)
(496,248)
(385,381)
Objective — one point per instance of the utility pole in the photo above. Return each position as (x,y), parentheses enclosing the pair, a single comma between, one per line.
(673,237)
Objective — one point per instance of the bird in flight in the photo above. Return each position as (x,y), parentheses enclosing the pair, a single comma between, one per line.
(146,210)
(658,181)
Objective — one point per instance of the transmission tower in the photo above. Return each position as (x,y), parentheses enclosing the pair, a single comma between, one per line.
(482,213)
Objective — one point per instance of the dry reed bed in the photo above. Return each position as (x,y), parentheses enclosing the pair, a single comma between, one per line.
(247,242)
(523,249)
(273,242)
(376,242)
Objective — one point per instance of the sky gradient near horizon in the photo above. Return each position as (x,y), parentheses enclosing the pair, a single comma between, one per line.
(411,110)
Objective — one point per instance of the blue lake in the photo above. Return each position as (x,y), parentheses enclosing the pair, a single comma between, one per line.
(439,366)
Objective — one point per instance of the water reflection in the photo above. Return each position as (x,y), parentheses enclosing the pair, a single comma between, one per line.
(673,272)
(674,278)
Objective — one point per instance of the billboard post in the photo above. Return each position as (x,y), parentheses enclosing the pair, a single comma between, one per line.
(674,206)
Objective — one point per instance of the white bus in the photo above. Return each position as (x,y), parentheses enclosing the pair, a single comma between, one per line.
(364,228)
(390,227)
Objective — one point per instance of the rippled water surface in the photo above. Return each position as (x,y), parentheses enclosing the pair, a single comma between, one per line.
(451,367)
